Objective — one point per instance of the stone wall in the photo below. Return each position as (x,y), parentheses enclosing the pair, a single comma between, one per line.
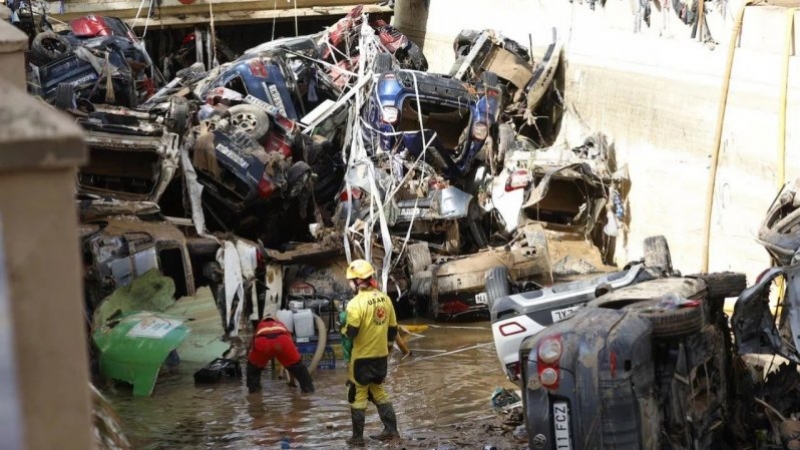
(657,98)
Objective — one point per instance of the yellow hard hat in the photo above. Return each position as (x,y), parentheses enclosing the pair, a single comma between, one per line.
(359,269)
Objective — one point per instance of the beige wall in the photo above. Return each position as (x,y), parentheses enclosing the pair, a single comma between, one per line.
(657,98)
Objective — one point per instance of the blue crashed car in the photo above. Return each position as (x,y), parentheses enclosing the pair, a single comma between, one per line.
(266,77)
(458,118)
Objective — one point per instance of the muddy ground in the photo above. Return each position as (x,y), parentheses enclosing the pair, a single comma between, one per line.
(442,402)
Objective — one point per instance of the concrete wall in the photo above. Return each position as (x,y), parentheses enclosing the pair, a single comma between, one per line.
(41,295)
(657,98)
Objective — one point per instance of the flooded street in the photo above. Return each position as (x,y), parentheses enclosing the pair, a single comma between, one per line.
(441,400)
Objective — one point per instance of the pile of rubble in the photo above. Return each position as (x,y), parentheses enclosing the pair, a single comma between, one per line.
(261,177)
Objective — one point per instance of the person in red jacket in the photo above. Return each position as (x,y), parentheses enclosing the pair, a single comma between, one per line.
(273,340)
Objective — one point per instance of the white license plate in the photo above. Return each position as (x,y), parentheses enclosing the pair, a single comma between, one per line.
(482,299)
(561,425)
(561,314)
(233,156)
(261,104)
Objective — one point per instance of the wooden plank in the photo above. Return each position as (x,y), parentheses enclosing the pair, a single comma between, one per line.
(182,18)
(169,7)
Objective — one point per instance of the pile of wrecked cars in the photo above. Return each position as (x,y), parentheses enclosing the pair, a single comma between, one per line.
(646,358)
(248,185)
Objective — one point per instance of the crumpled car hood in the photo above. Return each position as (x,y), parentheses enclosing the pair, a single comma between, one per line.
(756,330)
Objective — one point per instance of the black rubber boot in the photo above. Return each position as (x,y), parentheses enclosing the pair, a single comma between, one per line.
(300,372)
(386,412)
(358,416)
(253,378)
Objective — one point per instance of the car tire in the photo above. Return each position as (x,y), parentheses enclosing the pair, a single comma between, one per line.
(669,323)
(250,119)
(475,230)
(465,38)
(383,63)
(178,115)
(418,258)
(657,255)
(497,284)
(297,177)
(723,285)
(65,96)
(48,46)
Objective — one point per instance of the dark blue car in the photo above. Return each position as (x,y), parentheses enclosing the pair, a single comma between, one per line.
(457,118)
(264,77)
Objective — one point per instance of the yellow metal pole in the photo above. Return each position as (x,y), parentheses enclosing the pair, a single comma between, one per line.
(723,102)
(787,51)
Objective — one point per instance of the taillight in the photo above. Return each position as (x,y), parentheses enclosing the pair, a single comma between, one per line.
(550,350)
(519,179)
(510,329)
(454,307)
(389,114)
(257,68)
(289,125)
(480,130)
(548,357)
(354,193)
(265,187)
(513,370)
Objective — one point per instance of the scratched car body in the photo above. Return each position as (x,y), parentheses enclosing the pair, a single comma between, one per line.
(629,372)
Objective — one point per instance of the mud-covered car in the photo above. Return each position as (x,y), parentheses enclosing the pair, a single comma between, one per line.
(525,78)
(562,184)
(133,154)
(455,118)
(516,316)
(643,367)
(452,287)
(122,240)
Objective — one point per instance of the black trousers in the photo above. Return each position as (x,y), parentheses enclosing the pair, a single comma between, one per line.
(299,371)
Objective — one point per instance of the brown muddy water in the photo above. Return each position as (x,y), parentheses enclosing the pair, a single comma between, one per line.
(442,401)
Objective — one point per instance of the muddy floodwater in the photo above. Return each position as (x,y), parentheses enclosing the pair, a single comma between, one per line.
(442,401)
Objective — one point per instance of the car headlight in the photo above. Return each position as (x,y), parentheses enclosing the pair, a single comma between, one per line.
(389,114)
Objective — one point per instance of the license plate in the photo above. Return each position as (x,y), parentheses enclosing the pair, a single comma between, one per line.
(561,314)
(482,299)
(261,104)
(233,156)
(561,425)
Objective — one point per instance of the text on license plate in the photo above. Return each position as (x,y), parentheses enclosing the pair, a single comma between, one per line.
(482,298)
(561,314)
(561,426)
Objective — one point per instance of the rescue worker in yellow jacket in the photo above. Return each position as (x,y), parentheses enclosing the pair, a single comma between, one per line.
(372,324)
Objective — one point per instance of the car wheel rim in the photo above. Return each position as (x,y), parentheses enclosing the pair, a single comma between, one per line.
(244,122)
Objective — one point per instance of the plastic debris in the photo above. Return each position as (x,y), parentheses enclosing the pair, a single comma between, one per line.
(504,397)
